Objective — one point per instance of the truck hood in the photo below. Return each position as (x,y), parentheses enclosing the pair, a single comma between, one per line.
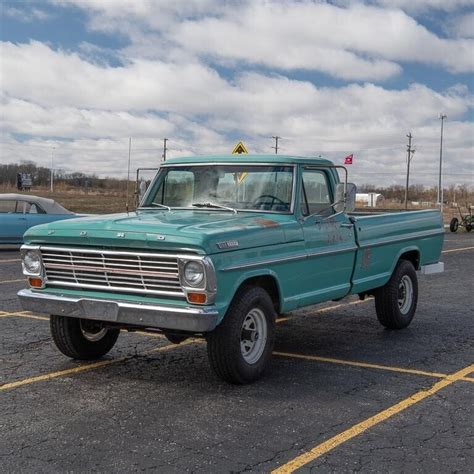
(202,231)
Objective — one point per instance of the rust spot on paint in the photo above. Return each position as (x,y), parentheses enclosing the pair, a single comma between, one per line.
(266,222)
(366,258)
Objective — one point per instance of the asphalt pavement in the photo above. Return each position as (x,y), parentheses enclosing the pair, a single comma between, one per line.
(342,394)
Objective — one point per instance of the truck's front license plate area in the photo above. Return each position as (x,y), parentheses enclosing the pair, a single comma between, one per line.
(103,311)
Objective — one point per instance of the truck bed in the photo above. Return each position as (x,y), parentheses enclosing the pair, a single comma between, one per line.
(383,237)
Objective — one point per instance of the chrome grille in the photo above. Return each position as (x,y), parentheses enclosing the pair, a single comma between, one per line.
(120,271)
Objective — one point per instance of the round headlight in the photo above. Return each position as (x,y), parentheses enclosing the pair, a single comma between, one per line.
(32,262)
(193,273)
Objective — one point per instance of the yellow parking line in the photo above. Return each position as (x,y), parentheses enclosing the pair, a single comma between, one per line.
(12,281)
(10,260)
(359,428)
(457,250)
(22,315)
(364,365)
(85,367)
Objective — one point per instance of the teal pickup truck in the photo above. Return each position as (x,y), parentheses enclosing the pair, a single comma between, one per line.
(217,248)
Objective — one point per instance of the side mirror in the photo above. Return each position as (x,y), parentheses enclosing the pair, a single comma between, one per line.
(347,204)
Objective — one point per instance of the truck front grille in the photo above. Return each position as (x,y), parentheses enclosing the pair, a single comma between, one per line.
(110,270)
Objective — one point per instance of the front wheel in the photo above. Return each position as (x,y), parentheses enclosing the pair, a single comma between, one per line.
(240,348)
(80,338)
(395,302)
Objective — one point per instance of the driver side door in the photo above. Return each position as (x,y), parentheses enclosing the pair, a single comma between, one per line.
(329,240)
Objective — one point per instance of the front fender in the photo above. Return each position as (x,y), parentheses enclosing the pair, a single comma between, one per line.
(229,284)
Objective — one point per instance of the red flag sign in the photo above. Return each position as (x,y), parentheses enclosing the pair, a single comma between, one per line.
(348,159)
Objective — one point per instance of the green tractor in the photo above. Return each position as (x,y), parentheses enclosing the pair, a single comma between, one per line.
(466,221)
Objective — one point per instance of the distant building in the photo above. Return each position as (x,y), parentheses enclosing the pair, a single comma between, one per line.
(370,199)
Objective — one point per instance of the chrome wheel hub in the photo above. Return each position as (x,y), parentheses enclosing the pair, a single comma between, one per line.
(92,332)
(253,336)
(405,294)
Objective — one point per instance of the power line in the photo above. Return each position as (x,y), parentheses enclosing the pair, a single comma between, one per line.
(410,152)
(165,149)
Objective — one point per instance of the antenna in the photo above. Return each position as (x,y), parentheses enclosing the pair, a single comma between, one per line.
(128,172)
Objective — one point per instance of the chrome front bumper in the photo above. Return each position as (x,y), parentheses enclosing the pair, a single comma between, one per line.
(153,316)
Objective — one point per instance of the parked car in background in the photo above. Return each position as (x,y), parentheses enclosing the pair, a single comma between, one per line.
(19,212)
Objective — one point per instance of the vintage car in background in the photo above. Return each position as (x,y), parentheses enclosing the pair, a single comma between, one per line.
(19,212)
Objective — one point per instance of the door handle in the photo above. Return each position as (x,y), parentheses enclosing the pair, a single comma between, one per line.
(347,225)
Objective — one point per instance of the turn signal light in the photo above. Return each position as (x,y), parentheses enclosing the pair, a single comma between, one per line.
(198,298)
(35,282)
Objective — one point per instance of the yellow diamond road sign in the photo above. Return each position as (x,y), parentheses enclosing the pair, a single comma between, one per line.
(240,149)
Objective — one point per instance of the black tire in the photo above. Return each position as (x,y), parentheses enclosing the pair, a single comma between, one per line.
(393,304)
(224,350)
(468,227)
(69,338)
(454,224)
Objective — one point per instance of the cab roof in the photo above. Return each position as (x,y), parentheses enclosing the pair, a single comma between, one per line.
(252,159)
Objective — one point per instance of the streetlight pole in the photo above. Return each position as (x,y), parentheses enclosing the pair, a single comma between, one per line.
(52,170)
(442,117)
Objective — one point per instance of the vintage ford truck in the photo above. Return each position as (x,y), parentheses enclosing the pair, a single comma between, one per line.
(217,248)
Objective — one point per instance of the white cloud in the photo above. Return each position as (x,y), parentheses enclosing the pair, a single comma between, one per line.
(20,116)
(26,16)
(167,85)
(203,113)
(463,26)
(418,6)
(324,37)
(360,42)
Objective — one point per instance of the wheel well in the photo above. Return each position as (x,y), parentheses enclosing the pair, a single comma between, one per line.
(412,256)
(269,284)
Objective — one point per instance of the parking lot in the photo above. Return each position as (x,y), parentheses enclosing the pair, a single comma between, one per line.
(343,394)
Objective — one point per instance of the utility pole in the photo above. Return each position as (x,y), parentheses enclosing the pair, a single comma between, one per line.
(52,171)
(442,117)
(165,149)
(410,152)
(128,169)
(276,138)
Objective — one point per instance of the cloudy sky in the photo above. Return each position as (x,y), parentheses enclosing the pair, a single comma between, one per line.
(79,77)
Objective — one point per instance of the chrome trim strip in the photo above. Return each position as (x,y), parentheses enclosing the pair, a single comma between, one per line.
(192,319)
(121,271)
(121,289)
(413,235)
(118,252)
(288,259)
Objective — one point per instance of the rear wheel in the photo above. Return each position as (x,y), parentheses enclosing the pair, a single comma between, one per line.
(395,303)
(80,338)
(240,348)
(454,224)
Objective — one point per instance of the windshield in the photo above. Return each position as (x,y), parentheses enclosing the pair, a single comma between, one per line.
(223,187)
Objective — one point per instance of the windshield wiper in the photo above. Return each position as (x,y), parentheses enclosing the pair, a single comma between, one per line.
(157,204)
(212,205)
